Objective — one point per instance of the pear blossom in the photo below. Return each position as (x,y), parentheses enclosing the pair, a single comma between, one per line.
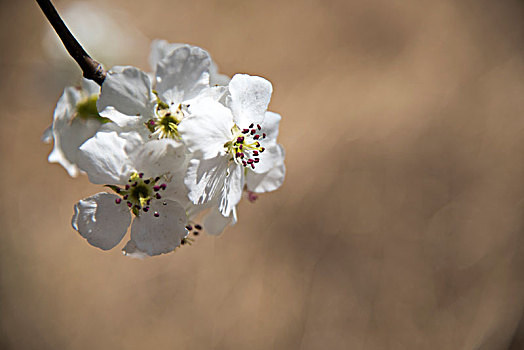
(140,178)
(227,143)
(75,120)
(128,98)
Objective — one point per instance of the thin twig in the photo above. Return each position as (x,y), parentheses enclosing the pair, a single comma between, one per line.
(92,69)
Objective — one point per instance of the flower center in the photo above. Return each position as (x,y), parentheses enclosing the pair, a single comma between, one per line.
(245,147)
(165,124)
(139,192)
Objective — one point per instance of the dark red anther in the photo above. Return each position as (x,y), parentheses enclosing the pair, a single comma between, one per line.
(257,160)
(127,187)
(264,135)
(245,131)
(163,186)
(148,201)
(156,188)
(252,166)
(257,144)
(158,196)
(240,146)
(156,214)
(126,197)
(253,132)
(240,139)
(244,163)
(157,178)
(196,233)
(147,181)
(189,227)
(152,122)
(141,175)
(146,209)
(238,154)
(256,137)
(250,126)
(129,204)
(134,185)
(259,127)
(118,200)
(198,227)
(255,153)
(252,196)
(249,161)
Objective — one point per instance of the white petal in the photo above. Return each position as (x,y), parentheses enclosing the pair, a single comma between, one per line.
(90,87)
(158,235)
(215,222)
(183,74)
(207,129)
(231,192)
(70,132)
(176,189)
(128,90)
(158,157)
(101,221)
(216,93)
(250,97)
(268,159)
(270,126)
(216,78)
(271,180)
(205,177)
(121,119)
(105,159)
(272,153)
(47,135)
(160,49)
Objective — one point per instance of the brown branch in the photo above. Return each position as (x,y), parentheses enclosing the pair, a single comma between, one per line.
(92,69)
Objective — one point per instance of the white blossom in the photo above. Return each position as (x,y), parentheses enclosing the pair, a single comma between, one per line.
(128,97)
(75,120)
(140,174)
(227,144)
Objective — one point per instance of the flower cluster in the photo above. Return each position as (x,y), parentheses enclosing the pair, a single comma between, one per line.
(179,144)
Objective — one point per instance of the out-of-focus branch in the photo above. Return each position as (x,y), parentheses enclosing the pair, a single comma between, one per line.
(92,69)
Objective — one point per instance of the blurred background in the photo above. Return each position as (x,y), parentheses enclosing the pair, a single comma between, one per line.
(400,224)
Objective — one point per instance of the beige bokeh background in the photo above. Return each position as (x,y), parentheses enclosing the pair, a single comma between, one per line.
(401,221)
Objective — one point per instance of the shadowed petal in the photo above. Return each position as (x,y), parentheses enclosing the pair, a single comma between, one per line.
(215,222)
(69,132)
(183,74)
(104,159)
(128,91)
(160,234)
(158,157)
(101,221)
(270,180)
